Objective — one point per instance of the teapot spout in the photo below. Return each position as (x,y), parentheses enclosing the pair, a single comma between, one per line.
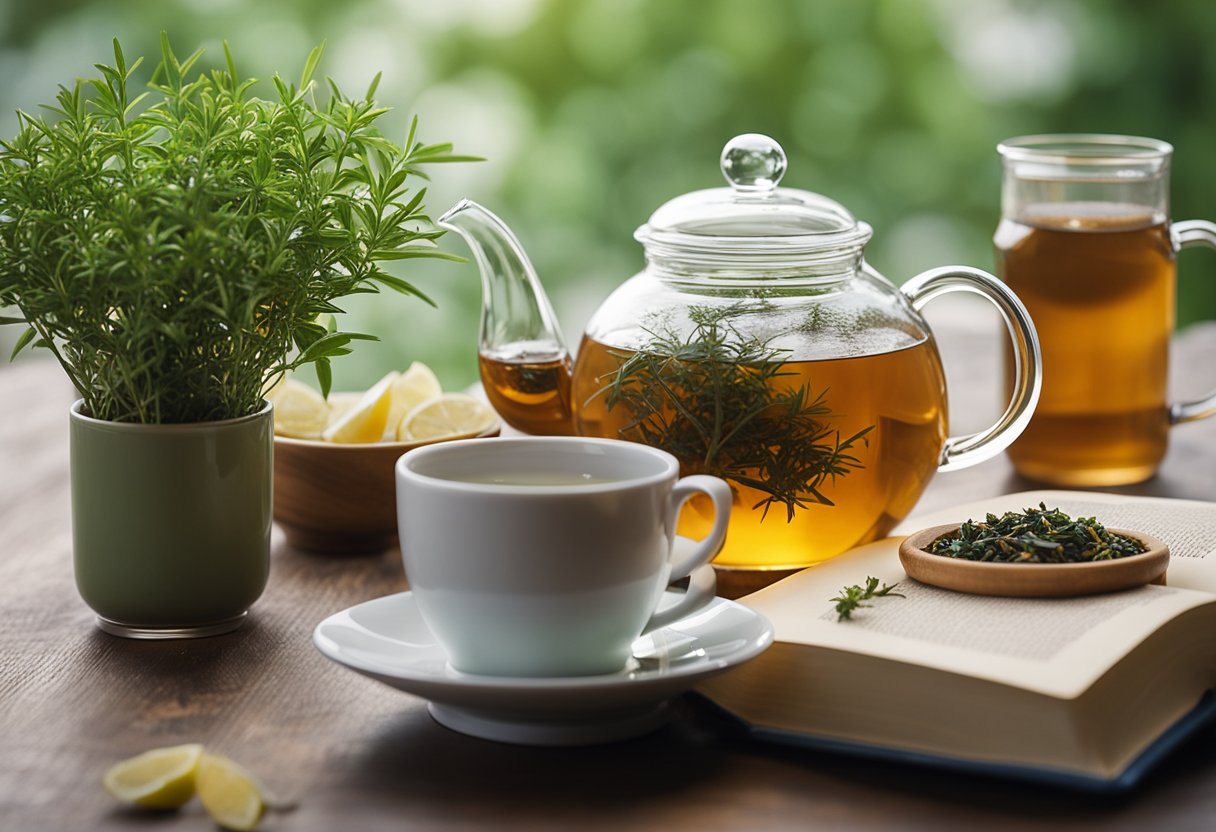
(524,363)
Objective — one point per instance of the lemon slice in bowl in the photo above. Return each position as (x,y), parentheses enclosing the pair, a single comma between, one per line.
(299,411)
(446,417)
(230,794)
(340,404)
(416,385)
(162,778)
(365,421)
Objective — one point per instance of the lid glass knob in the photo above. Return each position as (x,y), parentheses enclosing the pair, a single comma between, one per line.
(753,163)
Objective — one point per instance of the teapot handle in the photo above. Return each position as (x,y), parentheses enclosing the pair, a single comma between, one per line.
(970,449)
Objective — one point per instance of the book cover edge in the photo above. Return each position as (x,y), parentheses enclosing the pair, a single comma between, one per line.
(1188,724)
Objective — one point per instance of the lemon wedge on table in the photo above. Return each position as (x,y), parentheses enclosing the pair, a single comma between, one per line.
(230,794)
(299,411)
(416,385)
(366,420)
(162,778)
(447,416)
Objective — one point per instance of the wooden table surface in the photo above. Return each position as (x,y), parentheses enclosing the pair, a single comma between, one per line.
(360,756)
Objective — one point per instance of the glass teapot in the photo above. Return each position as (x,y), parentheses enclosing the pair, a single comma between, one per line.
(757,345)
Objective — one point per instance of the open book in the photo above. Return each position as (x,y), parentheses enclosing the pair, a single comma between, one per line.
(1082,691)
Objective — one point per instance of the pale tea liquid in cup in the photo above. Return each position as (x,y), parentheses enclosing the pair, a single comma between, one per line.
(532,478)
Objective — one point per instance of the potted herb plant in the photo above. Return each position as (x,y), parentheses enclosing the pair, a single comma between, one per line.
(178,251)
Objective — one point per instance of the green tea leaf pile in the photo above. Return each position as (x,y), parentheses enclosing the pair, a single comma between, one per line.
(1039,535)
(180,249)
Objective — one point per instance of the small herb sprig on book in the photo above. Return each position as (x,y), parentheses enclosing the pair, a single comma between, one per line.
(1039,535)
(851,597)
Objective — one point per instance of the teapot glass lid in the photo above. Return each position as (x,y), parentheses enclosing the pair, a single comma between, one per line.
(753,215)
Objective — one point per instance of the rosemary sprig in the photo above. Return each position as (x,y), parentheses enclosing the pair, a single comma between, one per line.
(1039,535)
(713,399)
(177,250)
(851,597)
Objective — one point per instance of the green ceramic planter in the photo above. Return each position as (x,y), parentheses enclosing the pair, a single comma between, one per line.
(171,523)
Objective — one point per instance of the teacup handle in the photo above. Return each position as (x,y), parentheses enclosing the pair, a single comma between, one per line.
(1186,234)
(969,449)
(695,564)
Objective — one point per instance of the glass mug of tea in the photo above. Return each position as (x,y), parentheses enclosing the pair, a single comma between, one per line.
(1086,242)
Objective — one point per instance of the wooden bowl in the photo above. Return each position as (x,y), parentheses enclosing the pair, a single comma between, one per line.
(340,499)
(1031,580)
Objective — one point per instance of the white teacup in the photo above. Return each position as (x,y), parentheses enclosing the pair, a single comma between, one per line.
(548,556)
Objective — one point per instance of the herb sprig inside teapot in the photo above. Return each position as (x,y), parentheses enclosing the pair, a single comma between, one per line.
(712,399)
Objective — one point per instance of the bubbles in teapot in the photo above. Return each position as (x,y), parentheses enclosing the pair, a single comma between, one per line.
(826,332)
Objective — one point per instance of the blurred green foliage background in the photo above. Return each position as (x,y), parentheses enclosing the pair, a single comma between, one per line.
(592,113)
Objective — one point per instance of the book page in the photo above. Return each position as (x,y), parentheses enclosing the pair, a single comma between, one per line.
(1057,646)
(1021,628)
(1188,527)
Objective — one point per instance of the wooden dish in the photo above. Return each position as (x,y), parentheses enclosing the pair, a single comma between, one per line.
(340,499)
(1031,580)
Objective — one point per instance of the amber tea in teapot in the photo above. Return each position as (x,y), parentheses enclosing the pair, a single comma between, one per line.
(756,346)
(529,385)
(861,456)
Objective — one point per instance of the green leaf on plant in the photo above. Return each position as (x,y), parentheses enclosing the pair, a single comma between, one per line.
(399,285)
(328,345)
(325,376)
(310,66)
(22,342)
(418,252)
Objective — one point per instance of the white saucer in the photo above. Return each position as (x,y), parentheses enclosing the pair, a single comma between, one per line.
(387,640)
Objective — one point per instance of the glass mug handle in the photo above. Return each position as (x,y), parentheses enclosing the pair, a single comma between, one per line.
(970,449)
(1186,234)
